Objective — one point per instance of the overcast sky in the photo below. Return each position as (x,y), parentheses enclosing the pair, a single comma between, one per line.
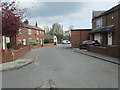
(78,14)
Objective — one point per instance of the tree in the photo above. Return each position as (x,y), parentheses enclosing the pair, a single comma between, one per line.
(11,18)
(57,29)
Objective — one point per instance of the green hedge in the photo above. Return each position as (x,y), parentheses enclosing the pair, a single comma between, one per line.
(46,41)
(33,43)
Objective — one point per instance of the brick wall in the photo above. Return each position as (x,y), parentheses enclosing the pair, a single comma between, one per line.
(21,52)
(77,36)
(109,50)
(6,57)
(25,35)
(110,19)
(9,56)
(49,44)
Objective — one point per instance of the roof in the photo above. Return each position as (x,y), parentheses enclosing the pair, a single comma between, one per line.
(33,27)
(97,13)
(115,8)
(49,36)
(103,29)
(81,29)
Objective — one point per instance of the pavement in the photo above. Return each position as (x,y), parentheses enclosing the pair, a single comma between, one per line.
(21,62)
(104,57)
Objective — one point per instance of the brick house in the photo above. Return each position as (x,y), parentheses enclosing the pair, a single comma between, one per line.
(106,29)
(28,33)
(79,35)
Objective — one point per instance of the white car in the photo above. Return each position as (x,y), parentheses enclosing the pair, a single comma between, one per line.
(66,42)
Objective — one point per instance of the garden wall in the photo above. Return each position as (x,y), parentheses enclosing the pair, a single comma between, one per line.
(109,50)
(13,55)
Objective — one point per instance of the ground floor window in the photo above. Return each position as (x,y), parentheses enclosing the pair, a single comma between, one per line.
(97,37)
(24,41)
(38,40)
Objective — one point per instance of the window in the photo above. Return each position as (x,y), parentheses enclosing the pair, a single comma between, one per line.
(37,39)
(30,39)
(40,32)
(99,22)
(37,32)
(29,32)
(20,41)
(20,31)
(24,41)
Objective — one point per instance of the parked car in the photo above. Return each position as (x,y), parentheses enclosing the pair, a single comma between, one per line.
(85,44)
(65,42)
(95,43)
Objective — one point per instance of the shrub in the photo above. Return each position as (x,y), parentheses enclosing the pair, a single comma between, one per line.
(77,45)
(33,43)
(46,40)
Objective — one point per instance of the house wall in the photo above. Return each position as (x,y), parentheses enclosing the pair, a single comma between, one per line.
(114,49)
(77,36)
(26,36)
(110,19)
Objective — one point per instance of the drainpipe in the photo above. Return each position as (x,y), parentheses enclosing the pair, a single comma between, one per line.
(118,29)
(80,36)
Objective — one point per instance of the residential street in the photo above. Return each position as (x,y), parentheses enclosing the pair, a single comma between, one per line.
(61,66)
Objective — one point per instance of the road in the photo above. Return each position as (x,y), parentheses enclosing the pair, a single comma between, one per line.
(60,66)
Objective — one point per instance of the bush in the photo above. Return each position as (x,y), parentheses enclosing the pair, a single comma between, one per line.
(9,45)
(33,43)
(46,40)
(77,45)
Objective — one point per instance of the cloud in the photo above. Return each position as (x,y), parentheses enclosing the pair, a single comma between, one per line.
(51,9)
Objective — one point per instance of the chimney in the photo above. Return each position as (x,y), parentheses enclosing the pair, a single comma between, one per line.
(26,22)
(36,24)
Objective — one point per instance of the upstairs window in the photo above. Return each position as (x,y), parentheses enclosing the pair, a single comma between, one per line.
(29,32)
(37,32)
(40,32)
(20,31)
(99,22)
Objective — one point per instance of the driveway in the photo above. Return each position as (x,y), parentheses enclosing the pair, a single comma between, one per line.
(61,67)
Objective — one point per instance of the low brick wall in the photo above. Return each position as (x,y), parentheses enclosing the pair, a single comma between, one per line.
(109,50)
(6,57)
(49,44)
(21,52)
(36,46)
(11,56)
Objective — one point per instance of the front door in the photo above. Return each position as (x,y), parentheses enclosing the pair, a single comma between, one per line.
(109,38)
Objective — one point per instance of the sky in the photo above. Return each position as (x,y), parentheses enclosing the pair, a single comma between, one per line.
(77,13)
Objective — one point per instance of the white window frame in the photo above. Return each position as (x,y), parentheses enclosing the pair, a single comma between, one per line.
(20,31)
(40,32)
(20,42)
(37,32)
(38,40)
(30,39)
(29,32)
(99,22)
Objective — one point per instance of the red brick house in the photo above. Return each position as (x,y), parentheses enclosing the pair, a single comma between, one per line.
(106,29)
(79,35)
(28,33)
